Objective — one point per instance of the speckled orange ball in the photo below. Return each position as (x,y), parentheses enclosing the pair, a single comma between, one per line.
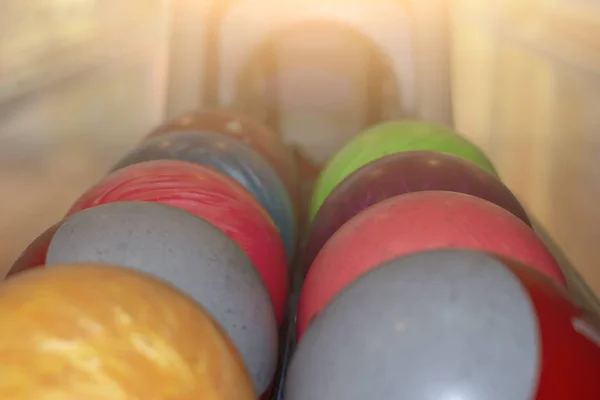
(99,332)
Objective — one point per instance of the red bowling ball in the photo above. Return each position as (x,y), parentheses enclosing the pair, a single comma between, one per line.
(570,340)
(403,173)
(411,223)
(35,254)
(210,195)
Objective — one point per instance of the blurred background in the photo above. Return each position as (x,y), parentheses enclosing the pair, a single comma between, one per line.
(81,81)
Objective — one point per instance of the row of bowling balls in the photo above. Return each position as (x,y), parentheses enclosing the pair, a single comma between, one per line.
(206,204)
(425,280)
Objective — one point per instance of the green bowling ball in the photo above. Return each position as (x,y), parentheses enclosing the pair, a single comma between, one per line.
(390,138)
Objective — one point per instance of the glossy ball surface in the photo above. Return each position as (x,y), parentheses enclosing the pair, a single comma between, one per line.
(245,129)
(181,249)
(209,195)
(404,173)
(104,332)
(390,138)
(450,324)
(411,223)
(231,158)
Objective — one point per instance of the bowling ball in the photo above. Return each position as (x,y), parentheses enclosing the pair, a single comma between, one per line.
(403,173)
(183,250)
(390,138)
(232,158)
(254,134)
(210,195)
(449,324)
(35,254)
(415,222)
(102,332)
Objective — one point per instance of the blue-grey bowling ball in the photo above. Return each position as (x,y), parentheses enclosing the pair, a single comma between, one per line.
(447,324)
(190,254)
(232,158)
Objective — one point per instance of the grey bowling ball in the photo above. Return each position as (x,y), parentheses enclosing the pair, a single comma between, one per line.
(232,158)
(447,324)
(189,253)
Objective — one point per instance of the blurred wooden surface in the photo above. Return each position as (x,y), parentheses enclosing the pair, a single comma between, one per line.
(80,81)
(526,76)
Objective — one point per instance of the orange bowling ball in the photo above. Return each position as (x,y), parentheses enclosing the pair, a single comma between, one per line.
(100,332)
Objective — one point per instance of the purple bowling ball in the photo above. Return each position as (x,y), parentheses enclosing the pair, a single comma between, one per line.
(403,173)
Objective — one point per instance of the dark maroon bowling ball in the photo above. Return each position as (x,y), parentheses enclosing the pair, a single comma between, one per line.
(404,173)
